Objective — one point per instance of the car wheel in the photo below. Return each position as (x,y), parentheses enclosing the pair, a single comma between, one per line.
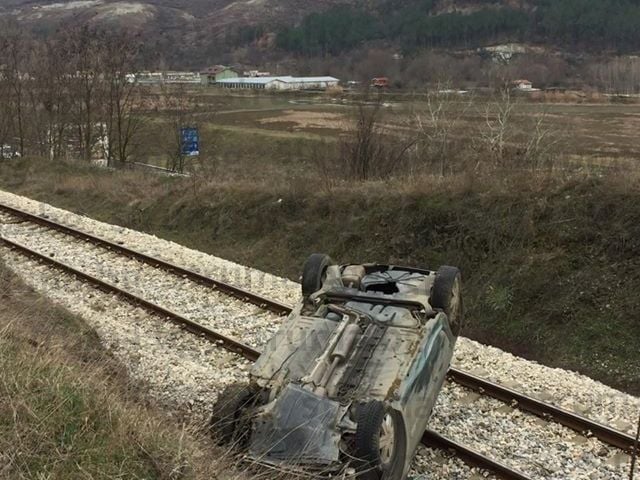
(380,443)
(228,413)
(446,295)
(314,272)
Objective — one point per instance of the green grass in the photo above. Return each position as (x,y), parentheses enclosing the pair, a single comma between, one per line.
(550,263)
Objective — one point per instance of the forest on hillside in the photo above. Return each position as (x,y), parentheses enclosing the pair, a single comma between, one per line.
(594,25)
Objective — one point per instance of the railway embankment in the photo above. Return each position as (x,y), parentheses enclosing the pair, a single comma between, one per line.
(68,408)
(550,263)
(185,372)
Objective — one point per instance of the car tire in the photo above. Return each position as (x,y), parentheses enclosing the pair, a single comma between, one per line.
(380,442)
(313,273)
(228,412)
(446,295)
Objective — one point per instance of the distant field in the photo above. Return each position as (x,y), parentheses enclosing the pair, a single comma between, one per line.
(241,128)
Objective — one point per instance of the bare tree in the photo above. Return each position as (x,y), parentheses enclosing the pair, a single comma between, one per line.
(70,91)
(541,144)
(498,121)
(50,98)
(179,108)
(14,46)
(368,150)
(120,102)
(5,111)
(436,123)
(619,75)
(86,47)
(518,142)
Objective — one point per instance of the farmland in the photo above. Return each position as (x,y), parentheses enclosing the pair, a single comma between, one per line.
(240,130)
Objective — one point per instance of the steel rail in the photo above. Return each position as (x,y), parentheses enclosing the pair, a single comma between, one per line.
(471,457)
(546,411)
(200,330)
(518,400)
(240,293)
(429,439)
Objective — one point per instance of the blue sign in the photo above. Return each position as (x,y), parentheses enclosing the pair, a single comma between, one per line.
(189,141)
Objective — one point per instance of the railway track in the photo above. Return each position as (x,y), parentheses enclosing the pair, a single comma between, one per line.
(526,403)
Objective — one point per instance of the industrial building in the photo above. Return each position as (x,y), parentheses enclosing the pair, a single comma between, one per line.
(213,75)
(149,78)
(159,78)
(182,77)
(286,82)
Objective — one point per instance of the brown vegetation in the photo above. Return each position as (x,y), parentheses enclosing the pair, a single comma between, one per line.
(68,96)
(67,409)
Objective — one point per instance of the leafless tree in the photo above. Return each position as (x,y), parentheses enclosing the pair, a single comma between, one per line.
(14,47)
(518,142)
(368,150)
(541,144)
(498,121)
(436,123)
(620,75)
(50,98)
(120,100)
(85,80)
(5,111)
(179,108)
(69,92)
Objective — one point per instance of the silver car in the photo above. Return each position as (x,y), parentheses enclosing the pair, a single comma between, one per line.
(351,377)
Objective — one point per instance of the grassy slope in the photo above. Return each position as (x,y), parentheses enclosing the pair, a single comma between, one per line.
(66,409)
(552,270)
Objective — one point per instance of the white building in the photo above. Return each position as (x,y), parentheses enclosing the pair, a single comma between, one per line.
(182,77)
(158,78)
(523,85)
(149,78)
(286,82)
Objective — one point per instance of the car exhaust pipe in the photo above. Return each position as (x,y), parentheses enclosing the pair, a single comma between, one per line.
(336,351)
(339,354)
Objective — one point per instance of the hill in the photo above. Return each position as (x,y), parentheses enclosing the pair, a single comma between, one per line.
(191,34)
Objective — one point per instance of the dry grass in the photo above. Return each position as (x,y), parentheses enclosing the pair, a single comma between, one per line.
(67,409)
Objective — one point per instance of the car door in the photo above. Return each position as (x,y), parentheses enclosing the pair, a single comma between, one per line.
(426,376)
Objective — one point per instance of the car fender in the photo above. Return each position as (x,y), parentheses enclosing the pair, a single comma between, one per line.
(419,390)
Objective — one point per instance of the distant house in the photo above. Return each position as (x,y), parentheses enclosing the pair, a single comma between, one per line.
(213,75)
(285,82)
(380,82)
(522,85)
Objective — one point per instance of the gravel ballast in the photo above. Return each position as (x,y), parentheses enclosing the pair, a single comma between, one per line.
(185,371)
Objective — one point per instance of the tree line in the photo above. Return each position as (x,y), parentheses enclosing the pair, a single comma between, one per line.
(69,94)
(593,24)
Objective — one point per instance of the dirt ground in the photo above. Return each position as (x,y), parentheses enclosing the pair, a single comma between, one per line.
(305,119)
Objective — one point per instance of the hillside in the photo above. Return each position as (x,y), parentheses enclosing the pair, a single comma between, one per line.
(181,33)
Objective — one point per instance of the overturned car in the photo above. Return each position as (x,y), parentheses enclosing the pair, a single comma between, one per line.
(351,377)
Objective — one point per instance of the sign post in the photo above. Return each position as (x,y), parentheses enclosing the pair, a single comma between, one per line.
(189,141)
